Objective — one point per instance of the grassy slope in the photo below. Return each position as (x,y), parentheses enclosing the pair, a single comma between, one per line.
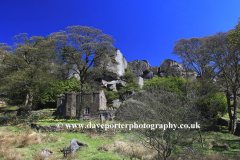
(215,135)
(84,153)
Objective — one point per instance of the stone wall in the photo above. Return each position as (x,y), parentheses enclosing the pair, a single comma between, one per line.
(103,101)
(94,101)
(70,103)
(45,129)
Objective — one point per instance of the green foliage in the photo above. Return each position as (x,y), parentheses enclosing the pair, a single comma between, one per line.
(131,85)
(210,100)
(16,97)
(176,84)
(110,95)
(212,104)
(85,51)
(233,36)
(58,87)
(27,69)
(95,76)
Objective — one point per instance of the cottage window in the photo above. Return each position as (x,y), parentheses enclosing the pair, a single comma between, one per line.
(87,110)
(63,101)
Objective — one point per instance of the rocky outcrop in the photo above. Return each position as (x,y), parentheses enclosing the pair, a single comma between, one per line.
(143,70)
(155,70)
(117,63)
(139,68)
(114,85)
(172,68)
(140,81)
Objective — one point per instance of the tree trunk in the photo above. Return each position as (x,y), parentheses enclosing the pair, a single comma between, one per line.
(229,111)
(199,131)
(26,101)
(234,125)
(80,107)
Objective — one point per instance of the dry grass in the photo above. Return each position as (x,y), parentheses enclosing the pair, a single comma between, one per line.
(72,156)
(9,154)
(216,157)
(41,156)
(9,141)
(130,150)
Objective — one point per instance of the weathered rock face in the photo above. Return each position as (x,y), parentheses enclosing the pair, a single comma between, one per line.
(143,71)
(140,81)
(114,85)
(148,75)
(172,68)
(117,64)
(167,64)
(154,69)
(139,68)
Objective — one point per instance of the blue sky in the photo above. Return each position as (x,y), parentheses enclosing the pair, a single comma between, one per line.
(143,29)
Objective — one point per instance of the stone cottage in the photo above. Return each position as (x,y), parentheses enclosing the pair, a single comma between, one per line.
(95,105)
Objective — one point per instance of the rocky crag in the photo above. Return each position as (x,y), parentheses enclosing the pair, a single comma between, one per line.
(142,70)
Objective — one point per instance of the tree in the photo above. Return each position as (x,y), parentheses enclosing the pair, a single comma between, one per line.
(211,103)
(28,67)
(193,54)
(159,106)
(220,58)
(231,71)
(225,62)
(82,46)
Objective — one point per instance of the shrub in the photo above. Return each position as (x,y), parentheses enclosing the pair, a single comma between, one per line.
(176,84)
(212,104)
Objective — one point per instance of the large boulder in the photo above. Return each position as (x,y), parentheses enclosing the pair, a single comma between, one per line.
(139,67)
(145,66)
(116,63)
(114,85)
(135,68)
(167,64)
(148,75)
(155,69)
(74,146)
(170,67)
